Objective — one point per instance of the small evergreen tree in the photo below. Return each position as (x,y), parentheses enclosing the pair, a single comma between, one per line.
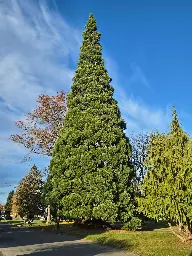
(28,194)
(9,200)
(90,167)
(167,187)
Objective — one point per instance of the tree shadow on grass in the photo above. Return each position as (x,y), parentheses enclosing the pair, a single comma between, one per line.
(123,244)
(70,229)
(152,225)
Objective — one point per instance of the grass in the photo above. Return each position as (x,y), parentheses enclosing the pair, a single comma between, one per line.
(159,241)
(146,243)
(36,223)
(13,222)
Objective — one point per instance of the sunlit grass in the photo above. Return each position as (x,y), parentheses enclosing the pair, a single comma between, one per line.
(146,243)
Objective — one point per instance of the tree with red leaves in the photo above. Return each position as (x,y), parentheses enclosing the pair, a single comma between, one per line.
(41,126)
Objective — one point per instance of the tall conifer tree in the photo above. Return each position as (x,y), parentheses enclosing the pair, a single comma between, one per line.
(90,167)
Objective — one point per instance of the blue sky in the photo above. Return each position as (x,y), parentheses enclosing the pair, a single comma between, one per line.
(147,48)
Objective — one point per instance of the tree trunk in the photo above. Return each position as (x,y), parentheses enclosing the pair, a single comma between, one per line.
(189,228)
(48,214)
(57,221)
(180,227)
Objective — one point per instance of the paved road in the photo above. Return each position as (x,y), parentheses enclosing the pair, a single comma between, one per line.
(15,241)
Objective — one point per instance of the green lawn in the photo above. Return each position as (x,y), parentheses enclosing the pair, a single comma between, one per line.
(13,222)
(146,243)
(21,222)
(158,242)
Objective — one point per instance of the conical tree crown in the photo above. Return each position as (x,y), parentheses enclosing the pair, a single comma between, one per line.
(91,158)
(175,126)
(177,137)
(91,81)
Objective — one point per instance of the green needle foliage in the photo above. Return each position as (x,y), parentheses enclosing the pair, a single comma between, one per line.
(90,168)
(167,187)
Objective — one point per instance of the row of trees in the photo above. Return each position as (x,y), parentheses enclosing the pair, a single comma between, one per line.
(96,171)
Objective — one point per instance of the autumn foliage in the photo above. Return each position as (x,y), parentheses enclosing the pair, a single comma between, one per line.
(27,198)
(14,207)
(41,127)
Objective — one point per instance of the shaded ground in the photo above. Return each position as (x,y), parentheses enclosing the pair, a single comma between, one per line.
(16,241)
(155,239)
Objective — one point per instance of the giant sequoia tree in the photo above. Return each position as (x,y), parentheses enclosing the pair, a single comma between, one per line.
(167,187)
(90,166)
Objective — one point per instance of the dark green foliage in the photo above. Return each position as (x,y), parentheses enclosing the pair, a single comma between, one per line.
(90,168)
(9,201)
(167,187)
(133,224)
(28,194)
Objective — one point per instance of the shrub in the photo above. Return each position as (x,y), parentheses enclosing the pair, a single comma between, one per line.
(133,224)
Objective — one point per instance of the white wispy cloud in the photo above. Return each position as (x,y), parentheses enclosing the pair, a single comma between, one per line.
(137,114)
(137,76)
(36,47)
(144,116)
